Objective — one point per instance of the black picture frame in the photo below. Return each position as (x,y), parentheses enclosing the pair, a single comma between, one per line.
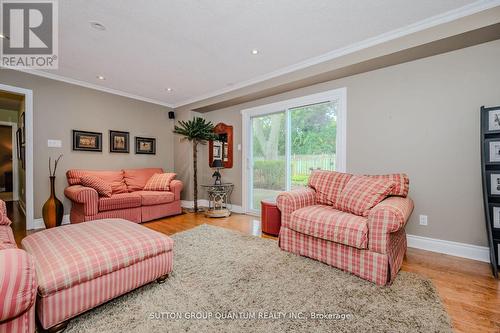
(489,126)
(145,145)
(495,215)
(489,175)
(119,142)
(18,143)
(487,151)
(22,127)
(94,138)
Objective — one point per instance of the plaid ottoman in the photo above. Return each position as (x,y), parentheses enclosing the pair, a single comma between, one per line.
(81,266)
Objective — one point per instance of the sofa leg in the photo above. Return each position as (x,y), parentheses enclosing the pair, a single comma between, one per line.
(58,328)
(162,279)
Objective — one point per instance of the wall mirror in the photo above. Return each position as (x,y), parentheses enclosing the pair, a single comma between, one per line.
(222,149)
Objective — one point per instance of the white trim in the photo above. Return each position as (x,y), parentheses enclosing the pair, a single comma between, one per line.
(430,22)
(339,95)
(38,223)
(28,117)
(469,251)
(93,86)
(204,203)
(15,179)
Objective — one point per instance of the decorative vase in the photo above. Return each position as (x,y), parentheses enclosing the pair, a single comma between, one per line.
(53,208)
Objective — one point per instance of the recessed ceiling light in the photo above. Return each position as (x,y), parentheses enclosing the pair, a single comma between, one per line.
(100,77)
(255,51)
(97,26)
(170,89)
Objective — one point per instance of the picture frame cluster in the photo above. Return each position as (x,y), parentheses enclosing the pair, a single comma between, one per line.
(119,142)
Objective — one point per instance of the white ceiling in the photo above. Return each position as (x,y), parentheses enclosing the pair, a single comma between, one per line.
(202,47)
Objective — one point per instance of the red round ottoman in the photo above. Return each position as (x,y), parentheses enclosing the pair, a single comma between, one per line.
(270,217)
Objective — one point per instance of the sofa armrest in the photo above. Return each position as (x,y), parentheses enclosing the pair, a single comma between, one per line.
(18,282)
(176,188)
(290,201)
(387,217)
(4,220)
(83,195)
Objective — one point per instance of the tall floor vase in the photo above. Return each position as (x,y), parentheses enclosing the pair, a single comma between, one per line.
(53,208)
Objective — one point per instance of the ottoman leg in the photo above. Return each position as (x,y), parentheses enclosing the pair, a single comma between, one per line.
(162,279)
(59,327)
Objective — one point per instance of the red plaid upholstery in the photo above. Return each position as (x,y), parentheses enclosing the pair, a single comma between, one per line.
(4,220)
(385,218)
(86,196)
(7,240)
(159,182)
(328,186)
(176,188)
(402,183)
(366,264)
(65,304)
(149,213)
(151,198)
(120,201)
(104,189)
(362,193)
(73,254)
(114,178)
(288,202)
(136,179)
(17,291)
(327,223)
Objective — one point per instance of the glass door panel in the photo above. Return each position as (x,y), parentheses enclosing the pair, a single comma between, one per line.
(313,132)
(268,159)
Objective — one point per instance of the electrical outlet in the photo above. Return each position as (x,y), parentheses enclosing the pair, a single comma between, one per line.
(423,219)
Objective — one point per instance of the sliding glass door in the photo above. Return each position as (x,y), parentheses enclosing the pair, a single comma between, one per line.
(284,145)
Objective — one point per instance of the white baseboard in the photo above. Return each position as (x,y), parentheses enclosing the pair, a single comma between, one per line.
(38,223)
(469,251)
(204,203)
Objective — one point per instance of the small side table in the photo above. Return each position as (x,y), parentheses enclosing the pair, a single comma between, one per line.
(219,199)
(270,217)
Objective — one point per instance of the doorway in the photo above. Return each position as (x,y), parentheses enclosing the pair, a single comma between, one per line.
(9,189)
(284,142)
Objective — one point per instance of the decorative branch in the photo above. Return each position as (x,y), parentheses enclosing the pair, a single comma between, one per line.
(53,173)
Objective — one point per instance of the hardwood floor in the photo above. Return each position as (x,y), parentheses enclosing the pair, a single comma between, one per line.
(469,292)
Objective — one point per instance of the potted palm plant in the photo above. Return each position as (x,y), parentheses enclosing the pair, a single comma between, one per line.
(198,131)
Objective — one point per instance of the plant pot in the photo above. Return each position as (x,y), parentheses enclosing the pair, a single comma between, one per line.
(53,209)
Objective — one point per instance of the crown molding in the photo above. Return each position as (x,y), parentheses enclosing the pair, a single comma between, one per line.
(431,22)
(92,86)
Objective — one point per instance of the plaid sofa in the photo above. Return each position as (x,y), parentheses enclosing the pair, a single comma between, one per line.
(317,222)
(18,282)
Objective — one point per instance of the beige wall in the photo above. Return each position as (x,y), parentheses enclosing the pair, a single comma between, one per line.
(420,117)
(60,107)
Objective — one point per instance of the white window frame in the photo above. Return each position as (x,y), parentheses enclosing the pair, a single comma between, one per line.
(339,95)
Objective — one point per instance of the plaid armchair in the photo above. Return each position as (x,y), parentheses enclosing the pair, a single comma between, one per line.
(355,223)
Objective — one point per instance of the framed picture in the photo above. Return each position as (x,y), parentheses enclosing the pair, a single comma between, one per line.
(495,215)
(492,149)
(145,145)
(18,143)
(87,141)
(493,120)
(119,142)
(493,179)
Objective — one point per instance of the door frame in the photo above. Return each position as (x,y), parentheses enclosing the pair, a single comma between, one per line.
(28,110)
(15,180)
(339,95)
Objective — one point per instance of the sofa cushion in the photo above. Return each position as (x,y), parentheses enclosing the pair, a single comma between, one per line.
(159,182)
(327,223)
(151,198)
(362,193)
(73,254)
(103,188)
(402,183)
(119,201)
(136,179)
(7,240)
(4,220)
(114,178)
(328,186)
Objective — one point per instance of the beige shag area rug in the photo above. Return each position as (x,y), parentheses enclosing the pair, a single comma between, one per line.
(227,282)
